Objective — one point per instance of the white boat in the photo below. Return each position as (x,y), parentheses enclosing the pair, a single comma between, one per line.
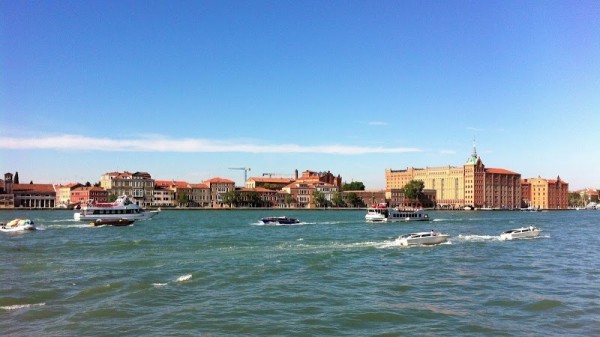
(521,233)
(18,225)
(122,208)
(423,238)
(382,213)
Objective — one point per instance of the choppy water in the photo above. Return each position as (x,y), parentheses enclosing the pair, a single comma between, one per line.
(220,273)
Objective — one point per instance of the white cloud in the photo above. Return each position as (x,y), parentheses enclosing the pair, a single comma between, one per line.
(163,144)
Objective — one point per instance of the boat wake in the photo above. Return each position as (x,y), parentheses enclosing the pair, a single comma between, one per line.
(477,238)
(21,306)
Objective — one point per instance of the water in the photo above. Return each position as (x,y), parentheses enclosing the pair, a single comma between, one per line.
(220,273)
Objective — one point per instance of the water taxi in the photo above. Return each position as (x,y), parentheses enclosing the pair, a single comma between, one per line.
(521,233)
(422,238)
(383,213)
(122,208)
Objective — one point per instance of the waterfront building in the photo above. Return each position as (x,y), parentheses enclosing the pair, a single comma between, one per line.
(218,187)
(163,197)
(34,195)
(83,194)
(7,198)
(313,177)
(547,193)
(139,185)
(200,195)
(268,182)
(63,194)
(396,198)
(181,189)
(471,185)
(302,192)
(264,197)
(369,197)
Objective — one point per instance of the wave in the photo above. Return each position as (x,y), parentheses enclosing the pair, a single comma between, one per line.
(21,306)
(184,278)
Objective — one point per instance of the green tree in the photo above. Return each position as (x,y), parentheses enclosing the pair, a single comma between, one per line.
(338,200)
(88,184)
(232,198)
(353,186)
(254,199)
(182,199)
(354,200)
(413,190)
(112,197)
(289,199)
(97,184)
(16,178)
(319,199)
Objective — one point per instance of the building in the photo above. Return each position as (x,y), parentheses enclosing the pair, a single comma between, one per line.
(268,182)
(313,177)
(7,198)
(471,185)
(396,199)
(163,197)
(34,195)
(200,195)
(181,191)
(83,194)
(139,185)
(302,192)
(63,194)
(218,187)
(546,193)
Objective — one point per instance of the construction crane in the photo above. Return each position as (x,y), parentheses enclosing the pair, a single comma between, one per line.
(270,174)
(246,169)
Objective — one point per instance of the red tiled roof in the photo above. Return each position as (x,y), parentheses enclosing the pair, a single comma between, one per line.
(34,187)
(171,183)
(199,186)
(499,171)
(272,180)
(219,180)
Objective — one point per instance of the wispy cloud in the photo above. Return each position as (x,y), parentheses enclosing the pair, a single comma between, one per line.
(378,123)
(192,145)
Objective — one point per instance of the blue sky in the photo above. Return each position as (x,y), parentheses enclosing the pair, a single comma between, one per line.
(186,90)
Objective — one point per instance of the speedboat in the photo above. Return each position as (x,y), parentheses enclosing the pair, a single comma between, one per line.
(18,225)
(122,208)
(112,222)
(521,233)
(279,220)
(383,213)
(423,238)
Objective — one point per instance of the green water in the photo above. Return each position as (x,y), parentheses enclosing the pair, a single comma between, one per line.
(220,273)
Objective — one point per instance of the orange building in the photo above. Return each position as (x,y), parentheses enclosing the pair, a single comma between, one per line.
(546,193)
(470,185)
(83,194)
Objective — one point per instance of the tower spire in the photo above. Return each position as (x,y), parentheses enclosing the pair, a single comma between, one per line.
(474,154)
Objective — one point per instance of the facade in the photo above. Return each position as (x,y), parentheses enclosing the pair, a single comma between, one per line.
(83,194)
(396,199)
(7,198)
(163,197)
(181,191)
(34,195)
(63,194)
(200,195)
(302,192)
(268,182)
(218,187)
(313,177)
(139,185)
(547,194)
(471,185)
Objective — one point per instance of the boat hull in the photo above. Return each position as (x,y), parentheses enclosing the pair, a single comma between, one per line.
(111,222)
(424,241)
(81,216)
(520,233)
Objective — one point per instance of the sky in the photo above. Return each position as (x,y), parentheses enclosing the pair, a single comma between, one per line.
(187,90)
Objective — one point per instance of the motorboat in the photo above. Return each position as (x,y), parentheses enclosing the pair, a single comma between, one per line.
(423,238)
(112,222)
(521,233)
(383,213)
(122,208)
(279,220)
(18,225)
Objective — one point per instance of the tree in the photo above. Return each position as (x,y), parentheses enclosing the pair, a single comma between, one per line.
(353,186)
(319,199)
(338,200)
(354,200)
(97,184)
(413,190)
(231,198)
(16,179)
(182,199)
(88,184)
(289,199)
(254,199)
(112,197)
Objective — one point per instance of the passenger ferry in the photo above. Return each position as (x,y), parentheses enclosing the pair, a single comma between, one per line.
(122,208)
(383,213)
